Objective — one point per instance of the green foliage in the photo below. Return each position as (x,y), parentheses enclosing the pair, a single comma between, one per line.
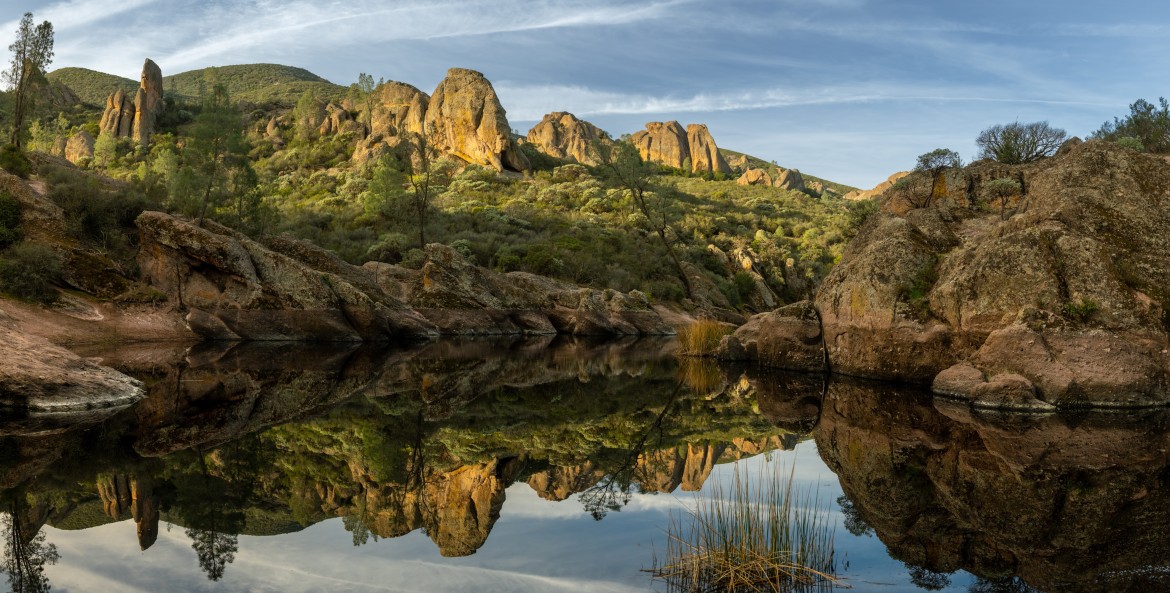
(859,212)
(98,213)
(916,293)
(1149,124)
(214,177)
(1000,190)
(13,160)
(1131,143)
(10,211)
(253,83)
(32,52)
(1018,143)
(28,271)
(937,160)
(91,86)
(1079,311)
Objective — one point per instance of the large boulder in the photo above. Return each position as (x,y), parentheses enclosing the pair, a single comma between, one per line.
(79,147)
(39,376)
(563,136)
(755,177)
(789,179)
(705,156)
(1065,292)
(664,143)
(464,118)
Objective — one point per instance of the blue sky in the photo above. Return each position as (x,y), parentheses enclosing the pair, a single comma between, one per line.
(850,90)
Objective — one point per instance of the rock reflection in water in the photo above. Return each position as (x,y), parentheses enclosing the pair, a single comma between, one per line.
(264,439)
(1066,502)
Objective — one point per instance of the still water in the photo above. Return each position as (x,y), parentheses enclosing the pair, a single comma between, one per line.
(554,466)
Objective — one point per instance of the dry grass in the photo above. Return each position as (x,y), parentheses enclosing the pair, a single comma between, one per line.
(701,338)
(761,536)
(701,375)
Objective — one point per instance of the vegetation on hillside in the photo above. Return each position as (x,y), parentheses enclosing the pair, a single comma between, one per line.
(252,83)
(91,86)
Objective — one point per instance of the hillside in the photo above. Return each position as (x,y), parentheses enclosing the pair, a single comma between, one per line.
(254,83)
(759,163)
(91,86)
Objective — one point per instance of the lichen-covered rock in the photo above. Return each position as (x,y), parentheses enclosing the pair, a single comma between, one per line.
(563,136)
(1066,293)
(38,376)
(464,118)
(79,147)
(788,338)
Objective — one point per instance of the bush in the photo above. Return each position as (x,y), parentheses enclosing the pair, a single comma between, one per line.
(13,160)
(1018,143)
(9,220)
(28,271)
(1146,123)
(1079,311)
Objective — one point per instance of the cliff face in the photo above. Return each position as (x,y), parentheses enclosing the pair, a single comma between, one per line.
(1056,298)
(232,288)
(465,118)
(135,117)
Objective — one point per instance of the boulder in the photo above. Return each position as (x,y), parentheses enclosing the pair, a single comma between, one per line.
(399,109)
(464,118)
(790,179)
(755,177)
(41,377)
(705,156)
(563,136)
(788,338)
(665,144)
(1067,295)
(79,147)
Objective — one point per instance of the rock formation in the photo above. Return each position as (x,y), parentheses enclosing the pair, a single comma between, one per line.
(790,179)
(1062,303)
(79,147)
(233,288)
(38,376)
(399,109)
(755,177)
(692,149)
(705,157)
(464,118)
(878,189)
(563,136)
(135,117)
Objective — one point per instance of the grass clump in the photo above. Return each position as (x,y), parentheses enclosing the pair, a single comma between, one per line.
(761,535)
(702,337)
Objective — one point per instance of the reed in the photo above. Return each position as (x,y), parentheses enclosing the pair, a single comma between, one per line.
(702,337)
(762,535)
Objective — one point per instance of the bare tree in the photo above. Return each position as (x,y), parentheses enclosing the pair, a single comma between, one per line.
(1018,143)
(31,53)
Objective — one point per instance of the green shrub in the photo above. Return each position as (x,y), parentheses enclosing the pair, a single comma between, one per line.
(1131,143)
(1079,311)
(13,160)
(9,220)
(28,271)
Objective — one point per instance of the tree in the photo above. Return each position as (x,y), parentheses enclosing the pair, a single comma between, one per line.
(935,163)
(25,556)
(214,170)
(362,93)
(414,164)
(31,53)
(622,167)
(1018,143)
(1147,126)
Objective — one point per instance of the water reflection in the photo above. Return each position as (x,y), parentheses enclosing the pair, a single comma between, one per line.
(1074,502)
(269,439)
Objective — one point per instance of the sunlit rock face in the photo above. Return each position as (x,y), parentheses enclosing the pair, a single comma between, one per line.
(464,118)
(1064,502)
(135,116)
(1056,297)
(670,145)
(562,135)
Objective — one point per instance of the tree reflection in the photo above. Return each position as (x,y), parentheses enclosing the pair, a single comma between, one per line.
(854,522)
(25,556)
(924,578)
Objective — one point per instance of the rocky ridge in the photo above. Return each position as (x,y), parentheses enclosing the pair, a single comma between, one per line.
(1057,300)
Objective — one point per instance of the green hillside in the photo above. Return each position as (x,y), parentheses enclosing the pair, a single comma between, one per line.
(758,163)
(91,86)
(255,83)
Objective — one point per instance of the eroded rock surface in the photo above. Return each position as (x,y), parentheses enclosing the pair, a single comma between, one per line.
(691,149)
(39,376)
(464,118)
(563,136)
(135,117)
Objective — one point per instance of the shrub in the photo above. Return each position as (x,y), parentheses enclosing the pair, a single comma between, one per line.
(28,271)
(13,160)
(1131,143)
(1079,311)
(1018,143)
(1147,123)
(9,220)
(1001,189)
(702,337)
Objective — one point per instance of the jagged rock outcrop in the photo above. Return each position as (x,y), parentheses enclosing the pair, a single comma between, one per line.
(233,288)
(39,376)
(563,136)
(789,179)
(692,149)
(705,156)
(755,177)
(877,189)
(399,109)
(461,298)
(79,147)
(1064,300)
(135,117)
(464,118)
